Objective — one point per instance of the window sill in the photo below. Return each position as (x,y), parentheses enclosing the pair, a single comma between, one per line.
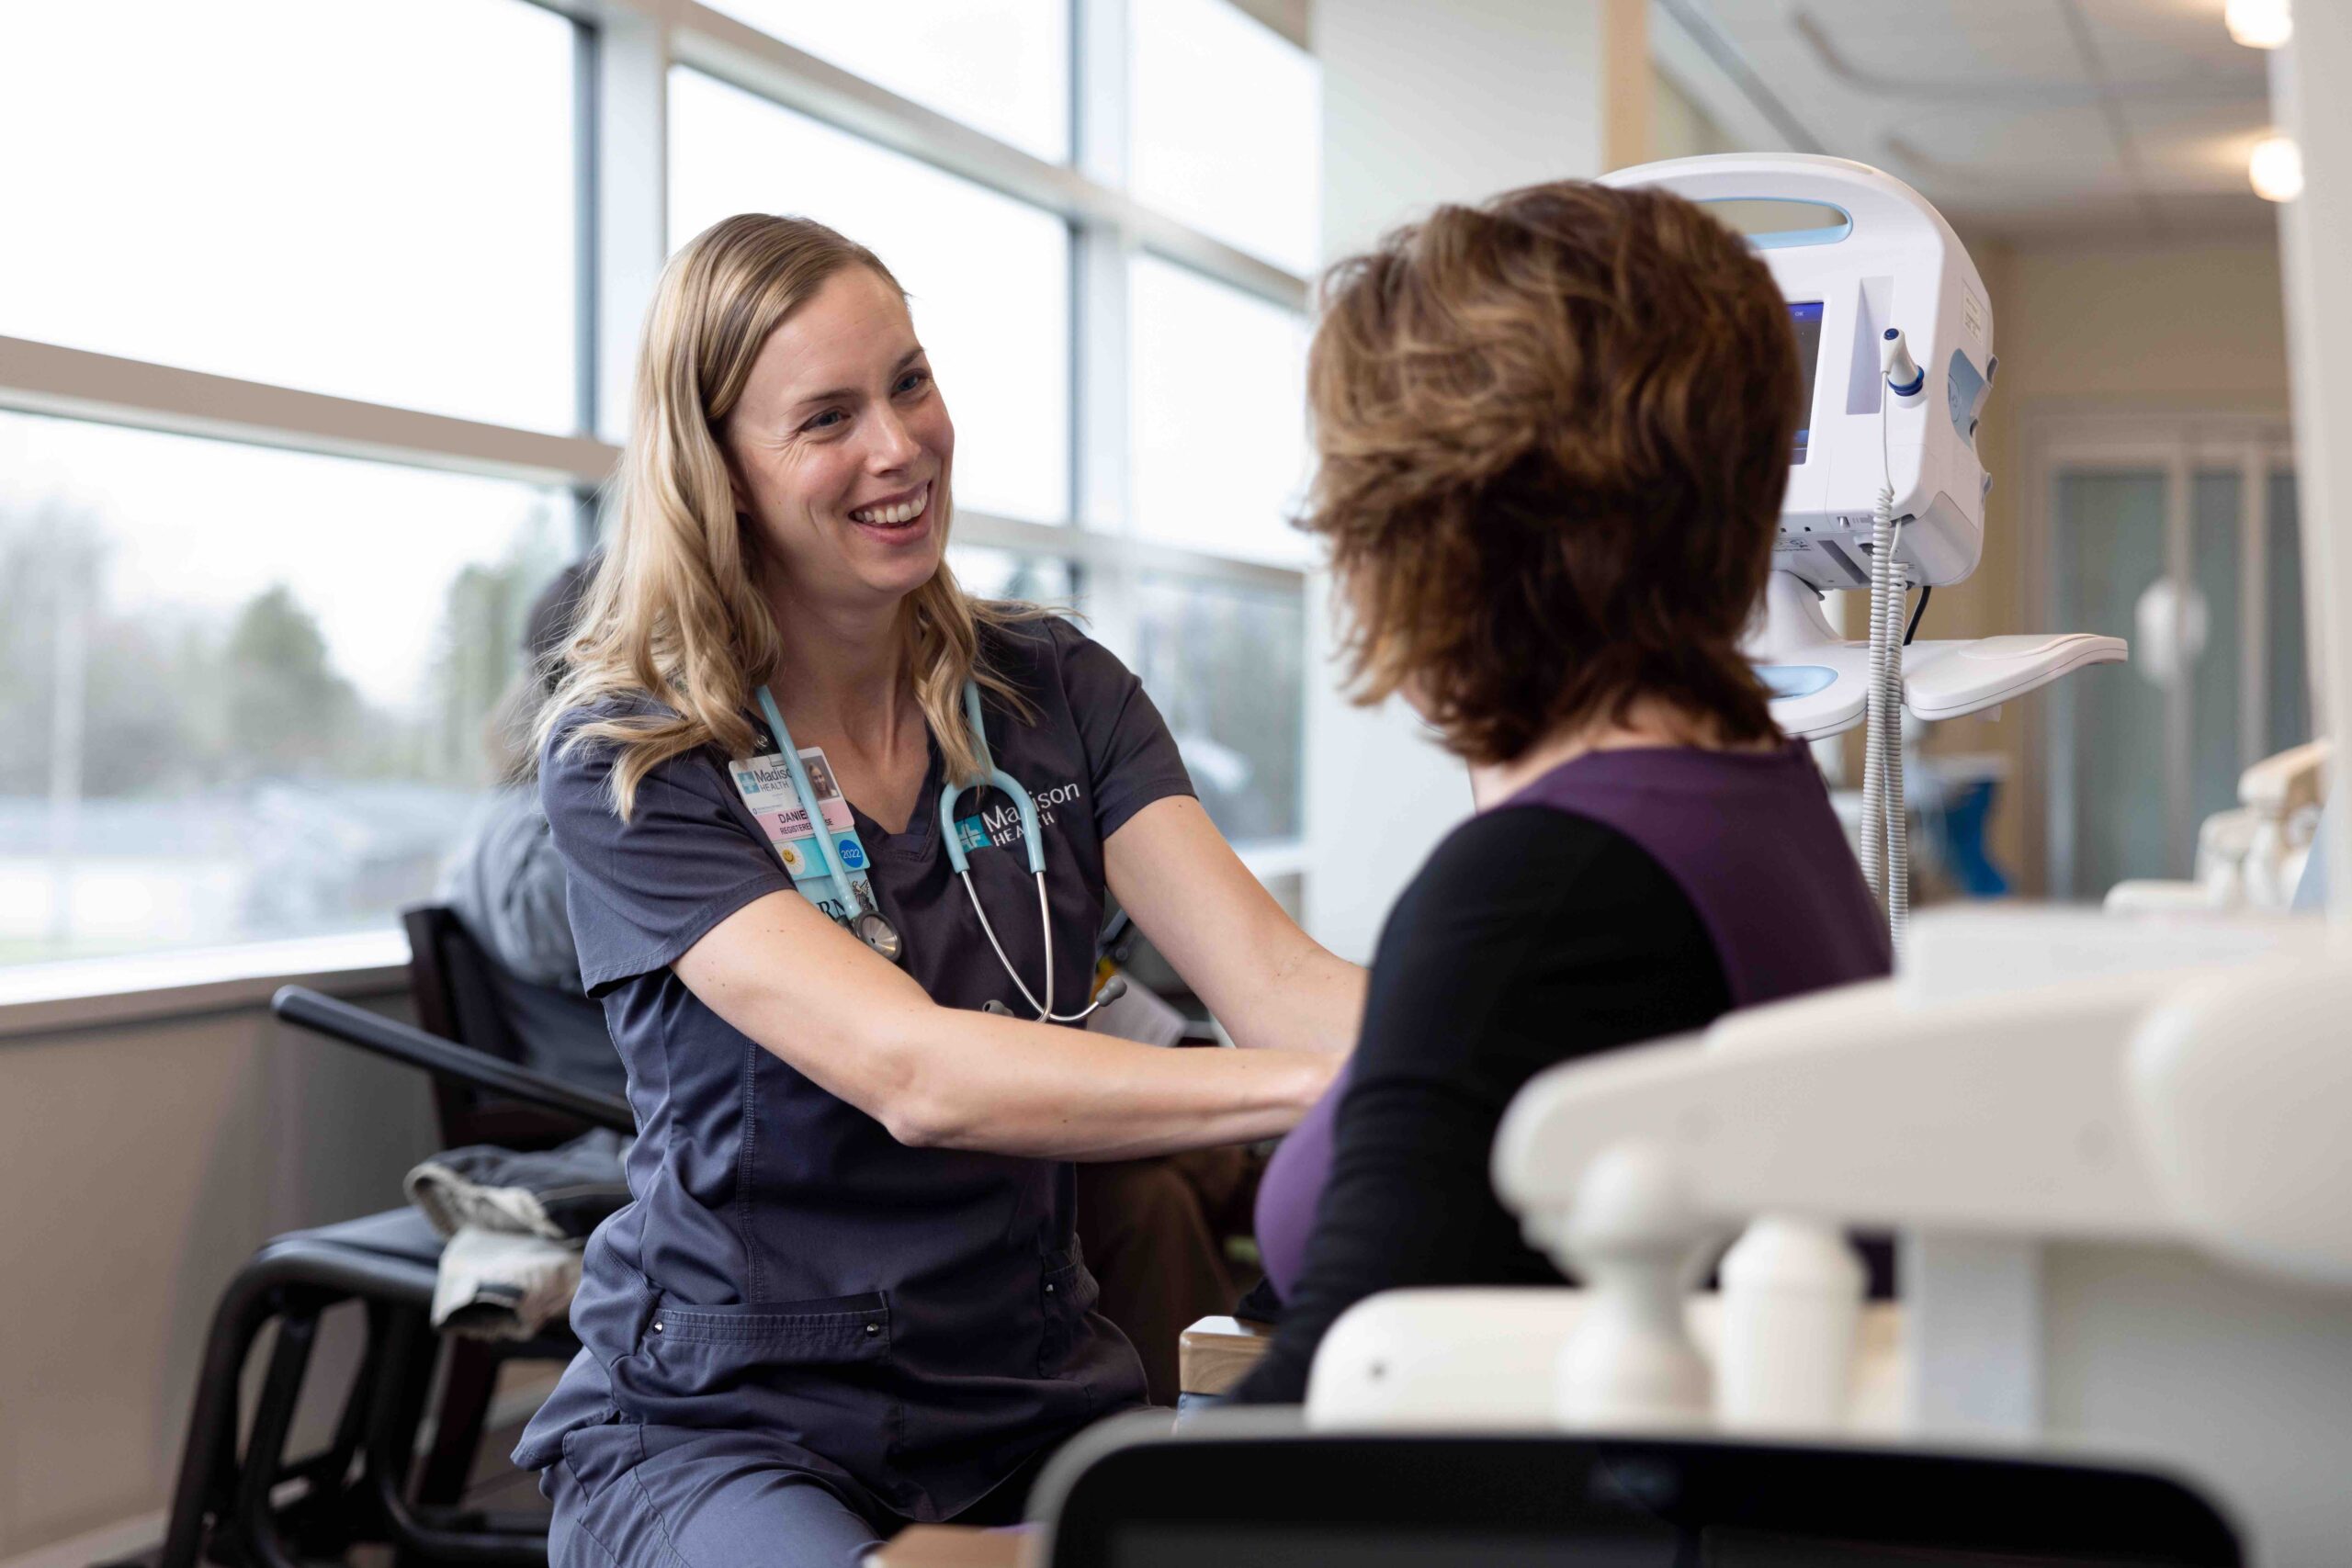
(86,993)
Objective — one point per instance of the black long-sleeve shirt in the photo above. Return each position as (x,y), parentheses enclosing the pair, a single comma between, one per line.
(1531,936)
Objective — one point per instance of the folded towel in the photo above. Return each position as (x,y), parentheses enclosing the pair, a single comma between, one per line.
(560,1193)
(498,1285)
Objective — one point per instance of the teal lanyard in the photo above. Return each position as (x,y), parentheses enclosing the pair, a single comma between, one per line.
(860,912)
(857,891)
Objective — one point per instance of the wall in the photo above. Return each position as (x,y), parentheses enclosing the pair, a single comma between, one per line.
(1679,126)
(2317,230)
(2082,325)
(143,1163)
(1424,103)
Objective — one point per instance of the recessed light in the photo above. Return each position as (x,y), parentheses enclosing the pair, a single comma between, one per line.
(2276,169)
(2260,23)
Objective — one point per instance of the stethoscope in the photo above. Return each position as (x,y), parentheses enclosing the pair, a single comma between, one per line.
(865,921)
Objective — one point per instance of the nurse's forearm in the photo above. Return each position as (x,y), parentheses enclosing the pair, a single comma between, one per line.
(1267,981)
(814,996)
(1007,1087)
(1308,999)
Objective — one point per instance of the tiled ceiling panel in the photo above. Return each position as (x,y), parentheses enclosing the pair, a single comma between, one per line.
(2001,49)
(2199,148)
(2179,43)
(2032,115)
(2055,147)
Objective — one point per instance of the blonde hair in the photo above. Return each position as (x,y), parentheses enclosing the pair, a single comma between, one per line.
(676,611)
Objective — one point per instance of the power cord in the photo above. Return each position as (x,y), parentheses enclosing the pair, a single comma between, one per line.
(1918,613)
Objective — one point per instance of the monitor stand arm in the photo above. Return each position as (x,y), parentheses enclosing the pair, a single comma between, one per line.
(1820,681)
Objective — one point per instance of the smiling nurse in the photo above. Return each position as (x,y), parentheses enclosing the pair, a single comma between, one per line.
(848,1293)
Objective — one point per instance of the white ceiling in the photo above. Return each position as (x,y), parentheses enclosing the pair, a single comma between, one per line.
(2023,116)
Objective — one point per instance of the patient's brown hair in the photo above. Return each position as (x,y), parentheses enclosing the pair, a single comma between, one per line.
(1553,434)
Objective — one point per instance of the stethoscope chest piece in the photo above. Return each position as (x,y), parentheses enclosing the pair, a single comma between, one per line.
(879,934)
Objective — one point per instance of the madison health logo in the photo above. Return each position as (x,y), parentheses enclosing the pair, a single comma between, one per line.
(999,825)
(756,780)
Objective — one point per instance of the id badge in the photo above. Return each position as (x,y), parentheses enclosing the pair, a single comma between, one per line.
(766,784)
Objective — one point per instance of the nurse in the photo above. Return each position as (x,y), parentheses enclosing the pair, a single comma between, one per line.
(848,1295)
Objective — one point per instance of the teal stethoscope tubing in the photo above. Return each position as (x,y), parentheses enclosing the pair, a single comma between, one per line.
(866,922)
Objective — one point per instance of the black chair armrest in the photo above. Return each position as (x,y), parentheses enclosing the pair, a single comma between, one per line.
(306,1008)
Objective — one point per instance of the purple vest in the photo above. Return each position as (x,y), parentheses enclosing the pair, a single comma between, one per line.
(1749,838)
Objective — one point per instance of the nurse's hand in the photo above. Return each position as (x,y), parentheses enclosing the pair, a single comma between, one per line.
(1267,981)
(863,1029)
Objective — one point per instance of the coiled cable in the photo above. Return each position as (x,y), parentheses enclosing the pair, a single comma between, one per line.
(1886,828)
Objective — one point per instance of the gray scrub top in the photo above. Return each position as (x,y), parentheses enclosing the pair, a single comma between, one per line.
(908,1325)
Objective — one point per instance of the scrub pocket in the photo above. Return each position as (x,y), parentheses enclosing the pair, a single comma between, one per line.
(835,1329)
(1067,1294)
(814,1373)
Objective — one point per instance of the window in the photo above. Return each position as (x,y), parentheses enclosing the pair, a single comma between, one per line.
(1226,666)
(247,689)
(988,573)
(1218,404)
(375,202)
(987,277)
(1002,66)
(1226,122)
(253,636)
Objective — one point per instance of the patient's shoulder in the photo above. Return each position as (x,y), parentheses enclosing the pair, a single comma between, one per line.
(1516,856)
(1522,889)
(1531,934)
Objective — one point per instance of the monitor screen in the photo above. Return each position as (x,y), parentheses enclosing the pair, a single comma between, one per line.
(1807,318)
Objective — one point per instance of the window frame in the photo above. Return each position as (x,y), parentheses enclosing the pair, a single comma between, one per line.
(623,52)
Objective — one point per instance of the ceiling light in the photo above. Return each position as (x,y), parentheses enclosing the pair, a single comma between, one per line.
(2276,169)
(2260,23)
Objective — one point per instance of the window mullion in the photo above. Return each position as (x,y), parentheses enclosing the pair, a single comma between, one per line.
(1101,342)
(75,383)
(632,153)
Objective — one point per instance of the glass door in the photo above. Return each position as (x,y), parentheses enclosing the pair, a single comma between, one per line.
(2190,548)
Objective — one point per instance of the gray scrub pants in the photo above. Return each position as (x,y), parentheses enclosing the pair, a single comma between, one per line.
(626,1494)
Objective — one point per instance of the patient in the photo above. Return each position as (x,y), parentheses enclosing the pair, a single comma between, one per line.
(1553,434)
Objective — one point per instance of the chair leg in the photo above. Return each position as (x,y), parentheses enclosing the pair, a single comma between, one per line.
(421,1535)
(256,1525)
(465,1407)
(203,1490)
(333,1513)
